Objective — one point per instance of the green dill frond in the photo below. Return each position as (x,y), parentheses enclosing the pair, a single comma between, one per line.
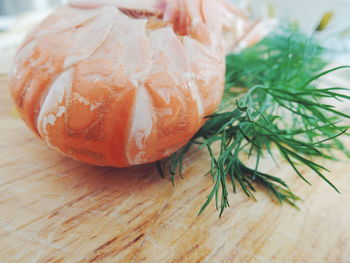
(271,102)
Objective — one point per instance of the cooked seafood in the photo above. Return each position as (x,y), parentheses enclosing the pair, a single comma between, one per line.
(120,83)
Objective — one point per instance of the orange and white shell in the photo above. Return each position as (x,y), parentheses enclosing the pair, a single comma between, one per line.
(121,83)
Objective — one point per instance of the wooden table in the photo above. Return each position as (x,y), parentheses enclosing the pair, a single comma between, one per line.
(53,209)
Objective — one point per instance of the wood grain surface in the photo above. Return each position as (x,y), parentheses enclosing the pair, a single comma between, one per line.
(53,209)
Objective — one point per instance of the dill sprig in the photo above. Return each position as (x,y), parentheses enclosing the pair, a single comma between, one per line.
(271,103)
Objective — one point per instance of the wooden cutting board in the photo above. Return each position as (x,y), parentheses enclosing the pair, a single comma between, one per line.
(53,209)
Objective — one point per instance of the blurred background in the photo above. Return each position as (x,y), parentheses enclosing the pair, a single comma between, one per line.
(12,7)
(17,17)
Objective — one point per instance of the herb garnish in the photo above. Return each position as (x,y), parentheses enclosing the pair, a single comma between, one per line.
(271,102)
